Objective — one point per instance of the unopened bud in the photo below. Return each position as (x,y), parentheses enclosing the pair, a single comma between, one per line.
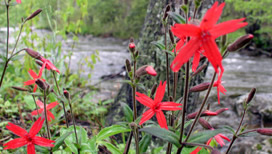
(251,95)
(204,123)
(153,89)
(133,125)
(42,84)
(204,113)
(200,69)
(200,87)
(167,9)
(137,53)
(34,14)
(265,131)
(39,62)
(33,53)
(66,94)
(128,66)
(146,69)
(19,88)
(171,36)
(170,98)
(240,42)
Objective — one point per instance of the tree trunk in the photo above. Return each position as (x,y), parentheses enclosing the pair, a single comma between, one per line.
(149,54)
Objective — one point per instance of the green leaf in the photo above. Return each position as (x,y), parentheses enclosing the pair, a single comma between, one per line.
(170,53)
(42,149)
(110,131)
(176,17)
(111,148)
(128,113)
(144,143)
(60,140)
(159,45)
(163,134)
(229,129)
(203,136)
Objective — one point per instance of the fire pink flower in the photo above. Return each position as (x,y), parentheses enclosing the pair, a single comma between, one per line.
(204,36)
(41,110)
(18,1)
(35,77)
(156,106)
(220,88)
(48,65)
(30,139)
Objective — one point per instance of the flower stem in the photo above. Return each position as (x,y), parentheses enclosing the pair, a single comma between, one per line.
(235,135)
(199,112)
(73,118)
(128,143)
(167,61)
(45,115)
(64,110)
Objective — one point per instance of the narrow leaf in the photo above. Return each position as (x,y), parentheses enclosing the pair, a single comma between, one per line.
(144,143)
(176,17)
(159,45)
(203,136)
(127,112)
(110,131)
(111,148)
(60,141)
(163,134)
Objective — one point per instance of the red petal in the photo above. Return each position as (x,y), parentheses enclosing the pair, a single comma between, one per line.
(224,137)
(209,141)
(179,46)
(227,27)
(146,116)
(36,113)
(29,82)
(212,53)
(40,104)
(51,105)
(50,114)
(212,15)
(36,127)
(145,100)
(32,74)
(17,130)
(31,149)
(219,140)
(185,54)
(161,119)
(171,106)
(186,30)
(43,141)
(51,66)
(160,92)
(41,71)
(19,1)
(195,61)
(35,88)
(196,150)
(15,143)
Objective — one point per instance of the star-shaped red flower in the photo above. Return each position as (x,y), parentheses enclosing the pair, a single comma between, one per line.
(203,36)
(41,110)
(35,77)
(156,106)
(220,88)
(30,139)
(18,1)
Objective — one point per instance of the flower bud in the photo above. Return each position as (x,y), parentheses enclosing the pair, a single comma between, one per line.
(33,53)
(133,125)
(167,9)
(204,123)
(251,95)
(221,110)
(66,94)
(153,89)
(200,69)
(265,131)
(240,42)
(204,113)
(128,66)
(19,88)
(146,69)
(34,14)
(43,85)
(200,87)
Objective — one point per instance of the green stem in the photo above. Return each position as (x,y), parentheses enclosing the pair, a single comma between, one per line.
(73,118)
(45,115)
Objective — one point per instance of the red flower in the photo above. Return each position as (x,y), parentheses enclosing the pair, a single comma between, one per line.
(204,36)
(156,106)
(35,77)
(220,87)
(151,71)
(48,107)
(18,1)
(30,139)
(48,65)
(219,139)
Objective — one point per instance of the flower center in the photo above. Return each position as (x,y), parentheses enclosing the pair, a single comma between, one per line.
(205,35)
(28,138)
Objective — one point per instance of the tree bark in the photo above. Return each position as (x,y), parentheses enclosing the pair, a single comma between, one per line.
(153,31)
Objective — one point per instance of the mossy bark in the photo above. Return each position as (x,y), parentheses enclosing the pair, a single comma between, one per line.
(153,31)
